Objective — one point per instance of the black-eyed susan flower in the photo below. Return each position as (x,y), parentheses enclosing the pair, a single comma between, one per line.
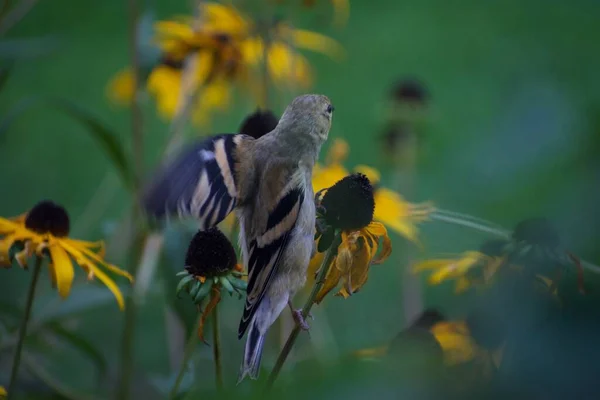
(43,232)
(210,266)
(347,207)
(390,207)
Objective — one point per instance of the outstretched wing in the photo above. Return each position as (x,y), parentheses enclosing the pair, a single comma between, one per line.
(199,183)
(266,251)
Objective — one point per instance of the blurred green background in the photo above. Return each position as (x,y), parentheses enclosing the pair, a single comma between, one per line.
(512,131)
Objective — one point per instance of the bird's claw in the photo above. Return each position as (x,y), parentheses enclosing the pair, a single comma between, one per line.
(300,321)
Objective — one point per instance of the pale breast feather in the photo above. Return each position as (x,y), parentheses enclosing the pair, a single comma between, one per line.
(198,183)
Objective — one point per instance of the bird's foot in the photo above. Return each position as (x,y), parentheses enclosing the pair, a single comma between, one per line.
(299,319)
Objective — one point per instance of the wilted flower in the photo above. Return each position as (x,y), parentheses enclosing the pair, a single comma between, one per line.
(210,265)
(43,232)
(390,207)
(348,207)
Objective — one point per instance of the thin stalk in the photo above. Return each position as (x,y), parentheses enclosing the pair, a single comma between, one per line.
(217,348)
(138,237)
(23,329)
(469,218)
(470,224)
(190,346)
(331,253)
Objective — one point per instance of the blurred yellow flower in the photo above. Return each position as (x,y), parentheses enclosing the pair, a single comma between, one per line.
(43,232)
(390,207)
(227,48)
(120,88)
(2,392)
(455,340)
(458,267)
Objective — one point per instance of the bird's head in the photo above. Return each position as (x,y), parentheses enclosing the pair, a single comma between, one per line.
(309,114)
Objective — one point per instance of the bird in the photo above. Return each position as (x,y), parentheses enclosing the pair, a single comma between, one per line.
(267,181)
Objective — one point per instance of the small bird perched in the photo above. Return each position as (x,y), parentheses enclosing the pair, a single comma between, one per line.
(269,182)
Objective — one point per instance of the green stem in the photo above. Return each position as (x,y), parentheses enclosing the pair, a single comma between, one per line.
(190,346)
(23,328)
(331,253)
(470,224)
(217,348)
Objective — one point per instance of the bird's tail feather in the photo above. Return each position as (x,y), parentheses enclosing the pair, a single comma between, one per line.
(252,354)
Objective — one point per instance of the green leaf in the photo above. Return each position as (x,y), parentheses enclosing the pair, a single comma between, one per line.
(204,290)
(225,282)
(82,345)
(38,371)
(104,136)
(83,299)
(183,282)
(28,48)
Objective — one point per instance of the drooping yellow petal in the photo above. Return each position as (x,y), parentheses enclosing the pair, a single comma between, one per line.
(224,18)
(63,268)
(84,254)
(359,271)
(455,340)
(108,282)
(331,281)
(287,67)
(370,172)
(121,87)
(319,43)
(378,230)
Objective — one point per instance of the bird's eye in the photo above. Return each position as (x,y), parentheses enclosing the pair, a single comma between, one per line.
(330,109)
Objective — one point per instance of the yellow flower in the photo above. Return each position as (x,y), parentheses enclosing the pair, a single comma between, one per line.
(3,393)
(44,232)
(390,207)
(348,207)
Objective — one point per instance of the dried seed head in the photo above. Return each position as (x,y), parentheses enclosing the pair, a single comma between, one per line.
(48,217)
(210,254)
(349,204)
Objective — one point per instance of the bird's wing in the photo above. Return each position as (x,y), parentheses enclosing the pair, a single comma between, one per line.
(200,182)
(265,252)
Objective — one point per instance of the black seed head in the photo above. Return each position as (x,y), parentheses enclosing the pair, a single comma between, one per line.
(48,217)
(409,91)
(210,254)
(171,62)
(428,319)
(259,123)
(537,231)
(493,248)
(349,204)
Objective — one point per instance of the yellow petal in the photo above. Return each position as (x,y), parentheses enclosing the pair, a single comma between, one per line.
(331,281)
(63,269)
(108,282)
(215,96)
(370,172)
(2,391)
(431,264)
(373,352)
(319,43)
(84,254)
(395,212)
(326,177)
(225,18)
(462,285)
(359,273)
(164,83)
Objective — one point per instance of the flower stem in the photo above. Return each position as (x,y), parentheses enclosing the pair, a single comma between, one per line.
(437,216)
(190,346)
(217,348)
(23,328)
(331,253)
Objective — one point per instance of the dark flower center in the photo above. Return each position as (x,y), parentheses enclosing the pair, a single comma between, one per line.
(537,231)
(349,204)
(259,123)
(171,62)
(210,254)
(48,217)
(410,91)
(493,248)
